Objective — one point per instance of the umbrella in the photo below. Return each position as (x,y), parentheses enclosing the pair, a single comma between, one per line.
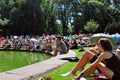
(96,37)
(116,37)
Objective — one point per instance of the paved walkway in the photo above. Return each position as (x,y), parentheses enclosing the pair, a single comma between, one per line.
(37,69)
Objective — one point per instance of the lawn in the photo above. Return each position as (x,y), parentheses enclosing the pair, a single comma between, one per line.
(56,74)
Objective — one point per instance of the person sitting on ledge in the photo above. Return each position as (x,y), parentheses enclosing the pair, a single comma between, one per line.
(60,46)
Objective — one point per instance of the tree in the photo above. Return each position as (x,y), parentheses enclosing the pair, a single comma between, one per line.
(113,28)
(4,22)
(64,14)
(116,3)
(49,10)
(91,26)
(97,11)
(27,17)
(41,16)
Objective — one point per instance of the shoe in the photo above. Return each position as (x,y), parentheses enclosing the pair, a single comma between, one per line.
(82,78)
(67,74)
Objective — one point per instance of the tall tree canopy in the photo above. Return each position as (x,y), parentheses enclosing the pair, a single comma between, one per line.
(58,16)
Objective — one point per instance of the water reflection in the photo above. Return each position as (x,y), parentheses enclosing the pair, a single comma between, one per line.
(15,59)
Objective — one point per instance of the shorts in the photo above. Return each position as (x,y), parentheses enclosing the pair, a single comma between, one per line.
(94,58)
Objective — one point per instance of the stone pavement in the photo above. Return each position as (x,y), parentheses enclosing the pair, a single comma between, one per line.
(37,69)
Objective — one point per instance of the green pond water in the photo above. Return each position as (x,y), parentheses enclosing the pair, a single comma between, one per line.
(15,59)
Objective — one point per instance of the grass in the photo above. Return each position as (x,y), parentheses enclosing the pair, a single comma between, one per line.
(56,74)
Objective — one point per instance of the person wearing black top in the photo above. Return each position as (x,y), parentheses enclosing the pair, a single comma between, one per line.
(111,66)
(74,44)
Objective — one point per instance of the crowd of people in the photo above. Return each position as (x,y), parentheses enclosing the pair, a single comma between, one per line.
(102,56)
(46,43)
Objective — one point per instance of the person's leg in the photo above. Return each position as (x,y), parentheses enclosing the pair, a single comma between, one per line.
(102,67)
(56,52)
(87,56)
(106,71)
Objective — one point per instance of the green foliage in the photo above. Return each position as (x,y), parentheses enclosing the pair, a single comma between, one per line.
(4,22)
(95,2)
(91,26)
(41,15)
(113,27)
(49,10)
(11,2)
(27,17)
(98,11)
(59,27)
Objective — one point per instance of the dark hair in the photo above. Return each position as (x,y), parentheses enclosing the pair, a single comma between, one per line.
(105,43)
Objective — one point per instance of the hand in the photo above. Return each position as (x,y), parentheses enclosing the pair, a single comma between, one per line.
(78,77)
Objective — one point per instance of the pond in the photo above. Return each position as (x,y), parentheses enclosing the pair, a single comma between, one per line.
(15,59)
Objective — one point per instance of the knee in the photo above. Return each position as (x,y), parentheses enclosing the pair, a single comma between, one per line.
(88,54)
